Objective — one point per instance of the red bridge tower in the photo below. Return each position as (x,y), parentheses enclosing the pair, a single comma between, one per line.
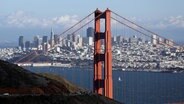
(103,61)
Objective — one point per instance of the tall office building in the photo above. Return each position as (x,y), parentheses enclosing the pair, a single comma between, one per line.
(80,41)
(52,38)
(45,43)
(36,42)
(45,39)
(90,32)
(56,39)
(21,42)
(27,45)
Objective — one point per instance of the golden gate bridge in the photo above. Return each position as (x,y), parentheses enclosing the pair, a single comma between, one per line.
(102,77)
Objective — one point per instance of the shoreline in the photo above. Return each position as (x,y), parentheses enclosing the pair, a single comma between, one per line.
(59,65)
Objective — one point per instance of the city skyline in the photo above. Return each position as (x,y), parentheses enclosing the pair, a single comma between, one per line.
(110,49)
(164,17)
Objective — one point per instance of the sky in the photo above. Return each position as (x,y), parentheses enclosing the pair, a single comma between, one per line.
(36,17)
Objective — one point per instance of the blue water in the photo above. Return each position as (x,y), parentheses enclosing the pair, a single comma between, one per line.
(134,87)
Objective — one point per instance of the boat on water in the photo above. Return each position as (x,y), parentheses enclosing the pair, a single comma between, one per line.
(119,79)
(123,69)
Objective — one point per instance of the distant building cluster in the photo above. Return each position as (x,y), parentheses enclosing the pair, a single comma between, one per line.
(154,39)
(75,41)
(38,43)
(45,43)
(128,52)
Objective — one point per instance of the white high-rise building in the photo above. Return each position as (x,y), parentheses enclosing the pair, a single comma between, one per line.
(80,41)
(114,39)
(90,41)
(61,43)
(154,39)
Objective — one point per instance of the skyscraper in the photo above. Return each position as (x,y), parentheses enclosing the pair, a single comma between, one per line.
(90,32)
(36,42)
(27,45)
(80,41)
(45,43)
(45,39)
(56,39)
(21,42)
(52,38)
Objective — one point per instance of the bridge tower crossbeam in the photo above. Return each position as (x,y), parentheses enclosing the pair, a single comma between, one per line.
(103,82)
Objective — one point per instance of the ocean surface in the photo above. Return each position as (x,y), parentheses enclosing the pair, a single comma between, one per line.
(129,87)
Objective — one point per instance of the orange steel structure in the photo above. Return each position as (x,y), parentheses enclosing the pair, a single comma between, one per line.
(103,61)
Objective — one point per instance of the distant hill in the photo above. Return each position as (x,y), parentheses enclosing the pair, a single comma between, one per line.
(16,80)
(20,86)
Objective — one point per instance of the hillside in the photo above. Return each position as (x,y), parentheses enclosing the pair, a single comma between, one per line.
(16,80)
(25,87)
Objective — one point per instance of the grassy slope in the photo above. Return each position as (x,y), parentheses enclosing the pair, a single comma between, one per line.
(72,88)
(58,90)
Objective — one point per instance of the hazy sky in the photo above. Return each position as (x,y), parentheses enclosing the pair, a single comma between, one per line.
(36,17)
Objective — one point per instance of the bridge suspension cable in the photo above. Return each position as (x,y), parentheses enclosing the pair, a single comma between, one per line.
(32,58)
(27,55)
(149,31)
(139,31)
(63,34)
(76,23)
(137,25)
